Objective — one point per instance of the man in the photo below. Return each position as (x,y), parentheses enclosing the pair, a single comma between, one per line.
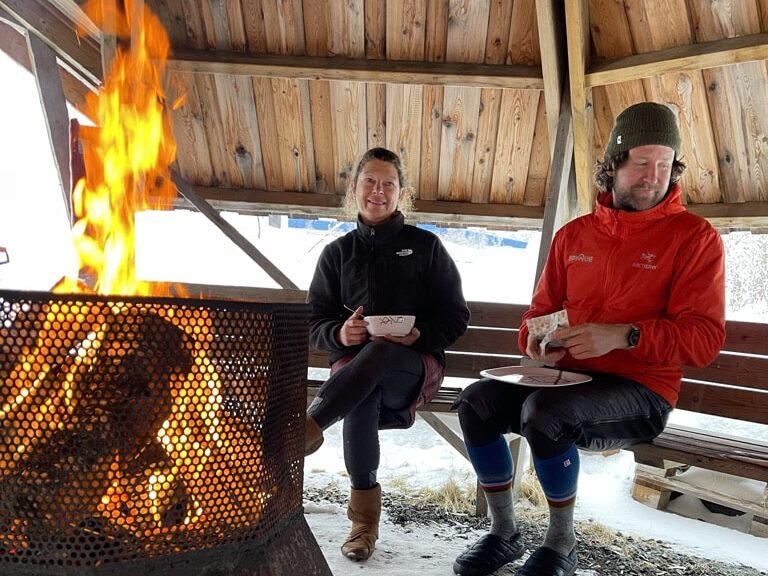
(642,283)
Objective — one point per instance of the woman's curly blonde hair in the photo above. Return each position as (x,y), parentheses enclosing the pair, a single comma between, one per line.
(406,203)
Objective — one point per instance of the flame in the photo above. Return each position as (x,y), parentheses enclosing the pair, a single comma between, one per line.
(201,446)
(127,157)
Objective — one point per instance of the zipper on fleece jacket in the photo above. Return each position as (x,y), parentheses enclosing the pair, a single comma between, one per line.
(609,261)
(370,270)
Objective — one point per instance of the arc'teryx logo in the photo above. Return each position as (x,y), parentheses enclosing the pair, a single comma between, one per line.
(648,259)
(404,252)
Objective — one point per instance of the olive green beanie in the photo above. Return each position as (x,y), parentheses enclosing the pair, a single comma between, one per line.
(643,124)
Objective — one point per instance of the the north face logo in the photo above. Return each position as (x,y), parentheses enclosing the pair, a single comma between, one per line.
(404,252)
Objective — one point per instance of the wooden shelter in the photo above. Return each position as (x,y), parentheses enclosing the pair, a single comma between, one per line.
(499,107)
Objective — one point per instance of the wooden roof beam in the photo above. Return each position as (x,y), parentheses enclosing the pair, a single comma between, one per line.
(80,55)
(736,216)
(250,201)
(357,69)
(678,59)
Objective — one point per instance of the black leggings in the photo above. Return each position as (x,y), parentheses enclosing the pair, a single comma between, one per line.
(380,382)
(608,412)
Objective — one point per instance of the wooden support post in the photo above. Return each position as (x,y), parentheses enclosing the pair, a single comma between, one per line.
(558,183)
(577,28)
(516,447)
(51,93)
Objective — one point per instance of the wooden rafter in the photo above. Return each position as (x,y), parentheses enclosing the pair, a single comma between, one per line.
(679,59)
(357,69)
(250,201)
(78,54)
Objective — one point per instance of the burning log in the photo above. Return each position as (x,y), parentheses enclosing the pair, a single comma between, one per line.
(104,406)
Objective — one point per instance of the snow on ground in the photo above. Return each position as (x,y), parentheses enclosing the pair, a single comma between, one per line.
(419,457)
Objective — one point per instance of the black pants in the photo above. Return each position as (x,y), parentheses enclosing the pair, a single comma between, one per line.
(376,387)
(605,413)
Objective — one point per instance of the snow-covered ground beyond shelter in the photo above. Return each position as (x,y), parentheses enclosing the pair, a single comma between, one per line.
(420,458)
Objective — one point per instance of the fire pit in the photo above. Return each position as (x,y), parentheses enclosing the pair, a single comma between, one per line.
(152,435)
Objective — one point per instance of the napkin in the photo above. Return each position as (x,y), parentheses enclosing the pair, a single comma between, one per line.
(543,326)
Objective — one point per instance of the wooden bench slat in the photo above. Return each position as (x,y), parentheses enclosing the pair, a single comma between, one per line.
(469,365)
(746,337)
(732,369)
(745,459)
(751,405)
(487,341)
(496,315)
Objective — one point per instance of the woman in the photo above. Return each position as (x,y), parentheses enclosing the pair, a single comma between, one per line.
(382,267)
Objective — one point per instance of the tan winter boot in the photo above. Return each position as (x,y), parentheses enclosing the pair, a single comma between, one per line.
(313,438)
(364,511)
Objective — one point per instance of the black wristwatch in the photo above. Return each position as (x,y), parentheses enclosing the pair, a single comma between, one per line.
(633,339)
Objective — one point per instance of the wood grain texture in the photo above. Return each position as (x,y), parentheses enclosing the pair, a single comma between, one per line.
(431,139)
(538,161)
(214,130)
(403,123)
(350,130)
(189,132)
(519,110)
(406,30)
(240,130)
(461,109)
(269,133)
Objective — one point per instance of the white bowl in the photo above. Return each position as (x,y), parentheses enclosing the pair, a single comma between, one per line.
(394,324)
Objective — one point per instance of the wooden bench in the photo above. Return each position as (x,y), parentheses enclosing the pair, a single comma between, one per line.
(735,386)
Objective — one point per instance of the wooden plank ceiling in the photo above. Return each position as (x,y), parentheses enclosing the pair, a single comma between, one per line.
(284,96)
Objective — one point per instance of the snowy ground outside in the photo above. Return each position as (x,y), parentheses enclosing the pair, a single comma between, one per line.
(419,457)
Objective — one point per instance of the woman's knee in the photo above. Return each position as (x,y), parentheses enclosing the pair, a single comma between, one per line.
(385,354)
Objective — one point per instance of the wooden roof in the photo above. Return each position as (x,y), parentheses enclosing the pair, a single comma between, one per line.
(499,107)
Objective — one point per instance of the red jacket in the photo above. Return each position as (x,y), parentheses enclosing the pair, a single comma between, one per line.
(661,269)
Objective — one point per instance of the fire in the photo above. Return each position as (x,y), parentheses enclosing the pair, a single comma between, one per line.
(127,156)
(187,451)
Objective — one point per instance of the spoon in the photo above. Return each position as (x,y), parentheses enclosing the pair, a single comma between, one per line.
(350,309)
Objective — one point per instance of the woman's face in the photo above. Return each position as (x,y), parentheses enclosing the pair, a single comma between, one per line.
(377,192)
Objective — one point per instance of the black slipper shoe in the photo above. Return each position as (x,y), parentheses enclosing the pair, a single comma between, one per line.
(548,562)
(488,554)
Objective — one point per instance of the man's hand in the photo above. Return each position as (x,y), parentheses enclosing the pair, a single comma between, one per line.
(353,331)
(406,340)
(592,340)
(533,350)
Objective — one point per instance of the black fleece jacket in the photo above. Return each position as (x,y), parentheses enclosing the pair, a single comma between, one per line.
(392,268)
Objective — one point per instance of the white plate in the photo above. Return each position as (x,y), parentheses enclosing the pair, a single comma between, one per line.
(536,376)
